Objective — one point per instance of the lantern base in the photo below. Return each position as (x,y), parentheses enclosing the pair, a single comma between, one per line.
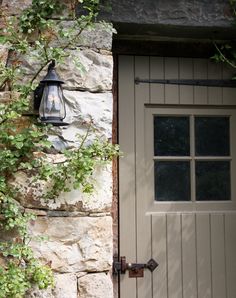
(55,121)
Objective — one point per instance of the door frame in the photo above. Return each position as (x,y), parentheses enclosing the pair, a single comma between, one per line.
(177,48)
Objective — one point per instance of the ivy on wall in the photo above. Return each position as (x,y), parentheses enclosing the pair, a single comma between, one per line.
(226,52)
(24,147)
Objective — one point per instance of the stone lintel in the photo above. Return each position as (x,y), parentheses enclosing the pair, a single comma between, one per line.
(205,19)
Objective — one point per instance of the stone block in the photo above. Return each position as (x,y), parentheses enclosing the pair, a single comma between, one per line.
(8,96)
(97,37)
(99,201)
(94,74)
(36,293)
(82,107)
(67,9)
(15,7)
(65,286)
(30,194)
(75,244)
(3,54)
(82,70)
(96,285)
(5,97)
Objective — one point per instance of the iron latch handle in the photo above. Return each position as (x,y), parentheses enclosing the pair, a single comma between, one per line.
(150,265)
(120,266)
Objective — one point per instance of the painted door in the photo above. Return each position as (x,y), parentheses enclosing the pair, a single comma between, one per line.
(177,179)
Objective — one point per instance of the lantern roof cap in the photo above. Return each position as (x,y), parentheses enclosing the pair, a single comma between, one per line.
(51,75)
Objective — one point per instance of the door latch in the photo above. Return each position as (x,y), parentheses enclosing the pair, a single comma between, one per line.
(120,266)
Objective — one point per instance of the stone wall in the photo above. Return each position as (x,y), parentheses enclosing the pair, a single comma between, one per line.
(183,18)
(78,226)
(202,13)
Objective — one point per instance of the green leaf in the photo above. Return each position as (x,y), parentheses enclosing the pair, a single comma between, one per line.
(3,39)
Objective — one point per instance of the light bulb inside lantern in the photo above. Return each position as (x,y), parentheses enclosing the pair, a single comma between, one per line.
(52,105)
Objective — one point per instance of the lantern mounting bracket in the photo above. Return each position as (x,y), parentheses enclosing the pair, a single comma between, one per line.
(38,93)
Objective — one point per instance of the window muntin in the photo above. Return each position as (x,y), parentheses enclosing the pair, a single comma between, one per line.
(209,166)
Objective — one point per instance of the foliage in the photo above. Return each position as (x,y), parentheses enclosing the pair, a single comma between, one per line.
(23,142)
(226,52)
(78,168)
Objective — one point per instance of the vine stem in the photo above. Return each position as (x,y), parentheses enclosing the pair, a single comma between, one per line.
(85,136)
(76,36)
(3,121)
(73,39)
(38,72)
(3,84)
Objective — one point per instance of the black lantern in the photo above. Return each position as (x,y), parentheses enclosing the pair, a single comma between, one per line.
(49,98)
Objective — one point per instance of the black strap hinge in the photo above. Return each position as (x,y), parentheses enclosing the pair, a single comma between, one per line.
(192,82)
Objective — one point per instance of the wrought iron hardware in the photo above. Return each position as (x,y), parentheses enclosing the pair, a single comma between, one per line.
(207,83)
(120,266)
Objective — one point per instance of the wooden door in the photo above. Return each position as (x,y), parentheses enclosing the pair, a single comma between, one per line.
(192,235)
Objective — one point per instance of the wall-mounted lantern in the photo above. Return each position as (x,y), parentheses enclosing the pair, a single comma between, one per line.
(49,98)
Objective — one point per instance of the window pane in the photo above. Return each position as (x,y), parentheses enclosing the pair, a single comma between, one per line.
(212,136)
(212,180)
(172,180)
(171,136)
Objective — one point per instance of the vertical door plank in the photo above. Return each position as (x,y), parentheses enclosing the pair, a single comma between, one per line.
(215,94)
(229,94)
(218,256)
(171,72)
(186,72)
(143,220)
(127,170)
(157,91)
(189,256)
(200,72)
(230,245)
(203,256)
(159,254)
(174,256)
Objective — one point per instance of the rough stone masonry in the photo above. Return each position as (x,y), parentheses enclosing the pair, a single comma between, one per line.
(78,226)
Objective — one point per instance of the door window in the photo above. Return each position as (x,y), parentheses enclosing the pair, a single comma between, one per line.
(192,160)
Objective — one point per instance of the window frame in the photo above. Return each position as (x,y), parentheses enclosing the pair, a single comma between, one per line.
(191,205)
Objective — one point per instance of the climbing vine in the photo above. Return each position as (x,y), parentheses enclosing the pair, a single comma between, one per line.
(226,52)
(38,31)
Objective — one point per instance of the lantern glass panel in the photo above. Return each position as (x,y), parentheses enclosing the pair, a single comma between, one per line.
(52,104)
